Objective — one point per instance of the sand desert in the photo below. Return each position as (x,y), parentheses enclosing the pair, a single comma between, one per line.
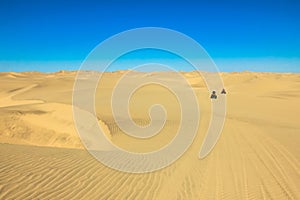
(256,157)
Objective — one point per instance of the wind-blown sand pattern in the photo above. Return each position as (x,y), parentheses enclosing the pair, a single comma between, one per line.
(256,157)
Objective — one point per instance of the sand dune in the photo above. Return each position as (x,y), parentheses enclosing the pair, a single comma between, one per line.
(256,157)
(8,99)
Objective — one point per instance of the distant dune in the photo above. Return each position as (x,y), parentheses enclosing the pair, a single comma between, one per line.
(256,157)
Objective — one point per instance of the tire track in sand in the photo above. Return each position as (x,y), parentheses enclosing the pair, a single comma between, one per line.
(273,167)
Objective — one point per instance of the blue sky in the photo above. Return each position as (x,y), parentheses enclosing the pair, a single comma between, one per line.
(238,35)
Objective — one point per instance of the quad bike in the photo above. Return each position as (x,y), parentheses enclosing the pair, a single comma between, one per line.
(213,95)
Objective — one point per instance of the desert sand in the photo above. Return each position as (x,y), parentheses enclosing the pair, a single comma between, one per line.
(256,157)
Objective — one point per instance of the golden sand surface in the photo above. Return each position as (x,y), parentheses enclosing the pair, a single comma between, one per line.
(256,157)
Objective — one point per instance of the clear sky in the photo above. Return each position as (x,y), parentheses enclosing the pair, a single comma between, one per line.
(239,35)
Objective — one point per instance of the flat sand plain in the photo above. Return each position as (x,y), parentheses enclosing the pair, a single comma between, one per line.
(256,157)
